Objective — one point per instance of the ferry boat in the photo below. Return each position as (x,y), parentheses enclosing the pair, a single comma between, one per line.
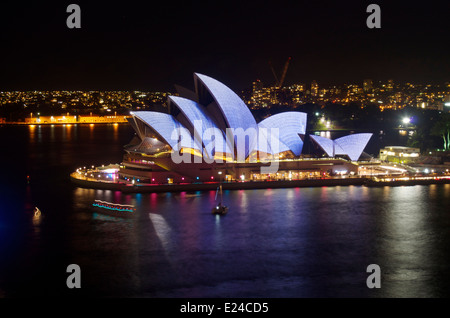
(114,209)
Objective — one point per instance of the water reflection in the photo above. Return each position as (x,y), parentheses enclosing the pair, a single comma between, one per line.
(37,216)
(116,131)
(302,242)
(406,242)
(39,133)
(163,231)
(52,133)
(32,133)
(326,235)
(91,131)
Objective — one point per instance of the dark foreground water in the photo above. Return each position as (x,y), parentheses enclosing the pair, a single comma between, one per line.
(299,242)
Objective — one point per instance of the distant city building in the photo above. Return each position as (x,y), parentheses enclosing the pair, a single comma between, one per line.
(257,86)
(398,154)
(262,96)
(314,88)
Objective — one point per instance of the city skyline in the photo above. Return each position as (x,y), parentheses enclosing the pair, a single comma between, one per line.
(143,46)
(387,94)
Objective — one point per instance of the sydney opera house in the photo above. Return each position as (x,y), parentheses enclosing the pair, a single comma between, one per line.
(209,134)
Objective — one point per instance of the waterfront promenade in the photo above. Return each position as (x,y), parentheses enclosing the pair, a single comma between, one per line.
(94,183)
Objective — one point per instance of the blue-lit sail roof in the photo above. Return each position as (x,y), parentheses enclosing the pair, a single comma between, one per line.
(235,113)
(168,128)
(353,145)
(289,125)
(200,122)
(231,127)
(326,144)
(268,141)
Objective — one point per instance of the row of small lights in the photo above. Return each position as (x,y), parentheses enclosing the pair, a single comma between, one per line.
(182,178)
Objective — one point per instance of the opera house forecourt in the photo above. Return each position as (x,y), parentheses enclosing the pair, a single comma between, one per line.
(209,135)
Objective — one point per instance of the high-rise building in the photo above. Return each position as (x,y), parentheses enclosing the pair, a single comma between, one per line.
(257,86)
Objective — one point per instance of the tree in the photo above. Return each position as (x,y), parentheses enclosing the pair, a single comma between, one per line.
(417,140)
(442,128)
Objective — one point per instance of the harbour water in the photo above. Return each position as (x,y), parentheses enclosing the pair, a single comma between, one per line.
(297,242)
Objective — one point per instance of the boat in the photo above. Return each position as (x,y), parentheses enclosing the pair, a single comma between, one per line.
(220,209)
(114,209)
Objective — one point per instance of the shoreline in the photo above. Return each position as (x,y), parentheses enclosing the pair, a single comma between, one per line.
(250,185)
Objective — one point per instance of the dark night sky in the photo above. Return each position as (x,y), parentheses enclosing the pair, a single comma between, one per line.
(151,46)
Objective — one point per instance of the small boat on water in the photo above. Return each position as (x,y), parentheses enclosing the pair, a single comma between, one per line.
(114,209)
(220,209)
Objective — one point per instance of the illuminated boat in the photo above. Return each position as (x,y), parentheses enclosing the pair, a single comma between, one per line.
(220,209)
(114,209)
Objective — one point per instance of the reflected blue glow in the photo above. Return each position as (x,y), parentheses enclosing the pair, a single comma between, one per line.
(163,230)
(299,232)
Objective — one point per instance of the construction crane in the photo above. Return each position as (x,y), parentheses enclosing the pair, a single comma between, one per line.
(284,72)
(279,83)
(274,74)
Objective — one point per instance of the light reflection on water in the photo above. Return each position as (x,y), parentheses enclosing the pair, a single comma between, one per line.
(299,242)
